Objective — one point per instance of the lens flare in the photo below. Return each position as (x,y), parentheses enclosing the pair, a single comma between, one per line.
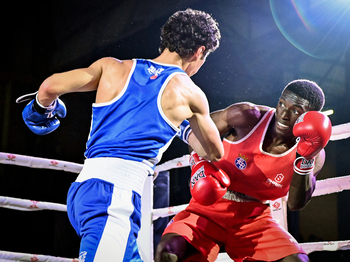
(319,28)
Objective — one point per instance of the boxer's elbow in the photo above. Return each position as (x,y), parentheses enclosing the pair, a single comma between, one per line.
(216,156)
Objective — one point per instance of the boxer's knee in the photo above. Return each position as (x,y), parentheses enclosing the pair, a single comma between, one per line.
(163,253)
(168,257)
(170,248)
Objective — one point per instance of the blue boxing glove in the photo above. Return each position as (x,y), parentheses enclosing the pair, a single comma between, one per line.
(185,131)
(42,120)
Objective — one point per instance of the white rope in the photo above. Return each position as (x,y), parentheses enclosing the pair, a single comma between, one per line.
(29,205)
(14,256)
(174,163)
(331,185)
(308,248)
(323,187)
(37,162)
(327,186)
(340,132)
(167,211)
(326,246)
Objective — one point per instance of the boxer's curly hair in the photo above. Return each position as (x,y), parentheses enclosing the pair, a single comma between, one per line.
(308,90)
(185,31)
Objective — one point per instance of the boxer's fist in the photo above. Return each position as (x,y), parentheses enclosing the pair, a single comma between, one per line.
(208,183)
(314,130)
(39,119)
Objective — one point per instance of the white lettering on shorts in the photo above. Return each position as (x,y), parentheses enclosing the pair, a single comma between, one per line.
(82,256)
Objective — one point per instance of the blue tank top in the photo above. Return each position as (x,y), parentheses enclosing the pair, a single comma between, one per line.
(133,126)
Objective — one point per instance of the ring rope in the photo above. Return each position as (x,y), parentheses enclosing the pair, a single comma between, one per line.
(167,211)
(13,256)
(327,186)
(326,246)
(37,162)
(341,131)
(308,248)
(331,185)
(174,163)
(30,205)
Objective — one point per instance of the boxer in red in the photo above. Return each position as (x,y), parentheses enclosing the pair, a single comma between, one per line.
(269,153)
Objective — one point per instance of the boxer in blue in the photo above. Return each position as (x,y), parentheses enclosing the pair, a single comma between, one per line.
(140,106)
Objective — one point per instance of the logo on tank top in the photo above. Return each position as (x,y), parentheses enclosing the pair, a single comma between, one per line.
(279,178)
(154,72)
(241,162)
(276,182)
(171,221)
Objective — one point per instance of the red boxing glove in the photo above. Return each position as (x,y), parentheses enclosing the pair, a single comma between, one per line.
(195,158)
(314,130)
(208,183)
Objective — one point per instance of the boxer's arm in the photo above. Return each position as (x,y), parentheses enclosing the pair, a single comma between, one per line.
(303,186)
(77,80)
(313,130)
(40,114)
(240,115)
(182,99)
(208,142)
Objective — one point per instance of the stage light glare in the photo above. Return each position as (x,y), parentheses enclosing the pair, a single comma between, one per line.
(319,28)
(328,112)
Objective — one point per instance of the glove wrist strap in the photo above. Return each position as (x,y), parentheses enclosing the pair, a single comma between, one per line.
(44,109)
(195,159)
(303,166)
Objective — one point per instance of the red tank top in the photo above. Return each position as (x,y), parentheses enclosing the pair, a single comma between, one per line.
(253,171)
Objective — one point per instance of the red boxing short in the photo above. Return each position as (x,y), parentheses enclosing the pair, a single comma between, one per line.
(246,229)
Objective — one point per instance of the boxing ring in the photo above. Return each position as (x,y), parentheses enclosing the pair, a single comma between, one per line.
(149,215)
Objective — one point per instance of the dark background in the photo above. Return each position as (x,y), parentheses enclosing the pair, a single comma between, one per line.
(265,44)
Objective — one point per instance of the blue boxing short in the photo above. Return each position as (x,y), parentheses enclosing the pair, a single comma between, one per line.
(104,207)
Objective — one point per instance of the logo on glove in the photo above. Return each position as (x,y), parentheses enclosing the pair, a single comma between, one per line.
(198,175)
(307,163)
